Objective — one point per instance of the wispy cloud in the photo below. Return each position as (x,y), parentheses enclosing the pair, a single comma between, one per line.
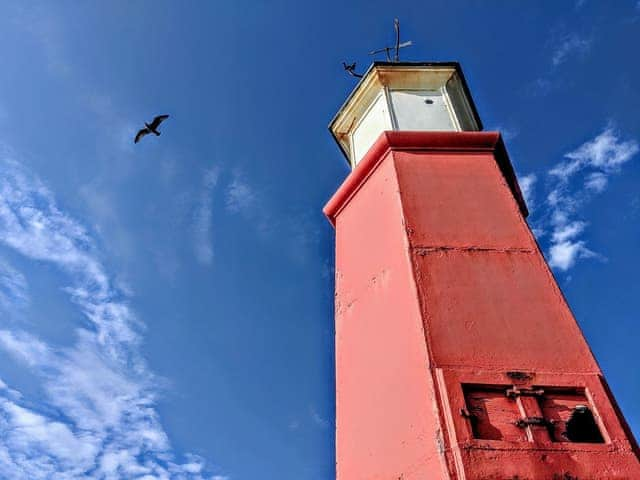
(540,87)
(13,287)
(606,153)
(527,184)
(508,132)
(98,418)
(293,425)
(241,198)
(317,419)
(582,174)
(203,221)
(570,45)
(47,27)
(563,48)
(39,21)
(566,247)
(596,182)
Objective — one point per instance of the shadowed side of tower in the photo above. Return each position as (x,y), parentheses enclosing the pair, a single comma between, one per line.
(456,353)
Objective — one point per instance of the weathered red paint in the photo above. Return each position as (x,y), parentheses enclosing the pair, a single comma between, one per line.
(443,302)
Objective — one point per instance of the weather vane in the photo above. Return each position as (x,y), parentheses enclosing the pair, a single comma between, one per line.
(398,46)
(351,67)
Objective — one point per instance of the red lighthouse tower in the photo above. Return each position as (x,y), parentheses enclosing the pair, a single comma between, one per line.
(457,357)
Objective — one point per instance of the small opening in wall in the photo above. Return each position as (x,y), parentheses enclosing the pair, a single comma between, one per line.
(581,426)
(571,416)
(428,101)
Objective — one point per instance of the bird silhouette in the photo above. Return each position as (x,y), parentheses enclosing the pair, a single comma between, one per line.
(151,127)
(351,69)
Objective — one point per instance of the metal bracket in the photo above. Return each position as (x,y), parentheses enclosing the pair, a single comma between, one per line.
(514,392)
(520,376)
(466,413)
(528,421)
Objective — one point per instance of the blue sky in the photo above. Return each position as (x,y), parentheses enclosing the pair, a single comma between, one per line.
(166,308)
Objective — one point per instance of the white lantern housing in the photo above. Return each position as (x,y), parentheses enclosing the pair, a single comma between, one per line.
(403,96)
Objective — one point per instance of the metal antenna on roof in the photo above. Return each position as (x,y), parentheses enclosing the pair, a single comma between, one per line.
(396,27)
(398,45)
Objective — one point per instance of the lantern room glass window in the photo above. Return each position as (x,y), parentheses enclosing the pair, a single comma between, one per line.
(376,120)
(422,110)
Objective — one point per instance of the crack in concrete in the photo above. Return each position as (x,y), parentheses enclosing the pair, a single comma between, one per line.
(435,249)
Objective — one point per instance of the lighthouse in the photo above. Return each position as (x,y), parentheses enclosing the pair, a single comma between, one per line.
(457,356)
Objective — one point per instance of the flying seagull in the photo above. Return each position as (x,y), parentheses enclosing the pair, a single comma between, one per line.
(351,69)
(151,127)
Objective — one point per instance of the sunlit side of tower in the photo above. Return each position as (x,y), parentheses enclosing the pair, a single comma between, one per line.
(457,356)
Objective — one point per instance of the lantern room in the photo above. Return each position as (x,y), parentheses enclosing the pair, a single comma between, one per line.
(403,96)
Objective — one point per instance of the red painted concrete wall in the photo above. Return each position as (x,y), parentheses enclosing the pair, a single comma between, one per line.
(443,303)
(380,350)
(487,295)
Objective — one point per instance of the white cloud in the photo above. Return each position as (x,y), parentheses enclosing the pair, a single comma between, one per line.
(194,466)
(30,350)
(203,221)
(571,44)
(565,249)
(565,232)
(508,133)
(317,418)
(592,162)
(564,170)
(31,223)
(527,184)
(98,417)
(13,287)
(255,207)
(607,151)
(240,197)
(7,392)
(564,255)
(563,48)
(31,431)
(596,182)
